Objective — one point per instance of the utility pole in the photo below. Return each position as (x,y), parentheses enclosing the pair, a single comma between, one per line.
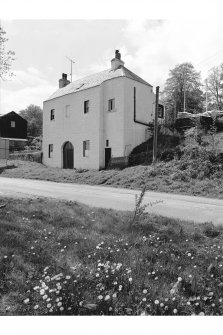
(206,93)
(71,68)
(155,126)
(184,92)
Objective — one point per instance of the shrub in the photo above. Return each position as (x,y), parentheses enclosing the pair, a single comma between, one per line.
(167,155)
(199,162)
(211,232)
(144,152)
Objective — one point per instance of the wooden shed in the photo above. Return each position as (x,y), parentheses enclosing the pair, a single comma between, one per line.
(12,125)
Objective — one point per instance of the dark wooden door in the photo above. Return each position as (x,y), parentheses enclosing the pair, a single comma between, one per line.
(107,156)
(68,156)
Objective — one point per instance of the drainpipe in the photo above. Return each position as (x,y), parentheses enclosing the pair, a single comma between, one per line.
(139,122)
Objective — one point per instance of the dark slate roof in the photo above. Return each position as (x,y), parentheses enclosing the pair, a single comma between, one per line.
(95,80)
(2,116)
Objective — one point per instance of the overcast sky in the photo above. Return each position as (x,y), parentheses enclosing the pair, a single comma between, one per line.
(150,48)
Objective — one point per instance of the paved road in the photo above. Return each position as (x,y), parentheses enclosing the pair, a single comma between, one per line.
(198,209)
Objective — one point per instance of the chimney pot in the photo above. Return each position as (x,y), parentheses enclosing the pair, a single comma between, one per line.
(117,54)
(63,81)
(116,62)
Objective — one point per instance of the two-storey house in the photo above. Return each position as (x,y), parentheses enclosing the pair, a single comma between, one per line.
(91,120)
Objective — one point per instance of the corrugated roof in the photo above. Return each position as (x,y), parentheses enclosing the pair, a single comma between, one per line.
(95,80)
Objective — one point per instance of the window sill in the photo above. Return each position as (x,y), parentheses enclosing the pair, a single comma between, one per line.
(112,111)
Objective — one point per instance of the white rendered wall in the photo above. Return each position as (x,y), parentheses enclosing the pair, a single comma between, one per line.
(112,123)
(134,133)
(75,129)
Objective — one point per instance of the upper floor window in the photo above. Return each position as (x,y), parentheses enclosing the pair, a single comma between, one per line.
(86,148)
(67,111)
(52,114)
(107,143)
(86,106)
(111,105)
(50,151)
(12,124)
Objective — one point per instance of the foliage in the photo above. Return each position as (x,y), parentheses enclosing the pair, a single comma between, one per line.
(214,86)
(212,133)
(34,143)
(144,151)
(199,131)
(198,162)
(6,57)
(34,116)
(183,77)
(139,208)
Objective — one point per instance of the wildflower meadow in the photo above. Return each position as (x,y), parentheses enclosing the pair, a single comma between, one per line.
(62,258)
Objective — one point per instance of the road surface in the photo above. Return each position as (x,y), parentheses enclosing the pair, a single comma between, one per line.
(198,209)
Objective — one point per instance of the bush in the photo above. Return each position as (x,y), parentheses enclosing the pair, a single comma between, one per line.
(179,175)
(211,231)
(167,155)
(34,143)
(199,162)
(167,148)
(141,158)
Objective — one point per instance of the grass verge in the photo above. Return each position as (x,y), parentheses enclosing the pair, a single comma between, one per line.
(169,177)
(62,258)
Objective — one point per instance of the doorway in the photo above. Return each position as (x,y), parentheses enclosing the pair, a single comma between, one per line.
(107,156)
(68,156)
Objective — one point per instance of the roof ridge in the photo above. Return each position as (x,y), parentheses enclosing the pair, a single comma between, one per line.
(95,79)
(137,77)
(85,77)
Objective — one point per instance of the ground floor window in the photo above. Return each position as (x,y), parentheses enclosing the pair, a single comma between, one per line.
(50,150)
(86,148)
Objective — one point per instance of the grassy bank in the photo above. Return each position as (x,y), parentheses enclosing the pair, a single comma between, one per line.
(62,258)
(176,176)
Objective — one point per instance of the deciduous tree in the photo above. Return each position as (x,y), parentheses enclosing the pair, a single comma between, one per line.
(6,57)
(183,78)
(214,84)
(34,116)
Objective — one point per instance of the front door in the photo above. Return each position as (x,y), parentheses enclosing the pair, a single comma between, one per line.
(68,156)
(107,156)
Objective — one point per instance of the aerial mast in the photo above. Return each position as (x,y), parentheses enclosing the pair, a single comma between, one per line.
(71,67)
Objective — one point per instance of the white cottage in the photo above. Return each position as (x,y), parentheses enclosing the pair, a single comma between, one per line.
(91,120)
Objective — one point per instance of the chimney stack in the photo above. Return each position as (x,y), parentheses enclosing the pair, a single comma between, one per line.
(63,81)
(116,62)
